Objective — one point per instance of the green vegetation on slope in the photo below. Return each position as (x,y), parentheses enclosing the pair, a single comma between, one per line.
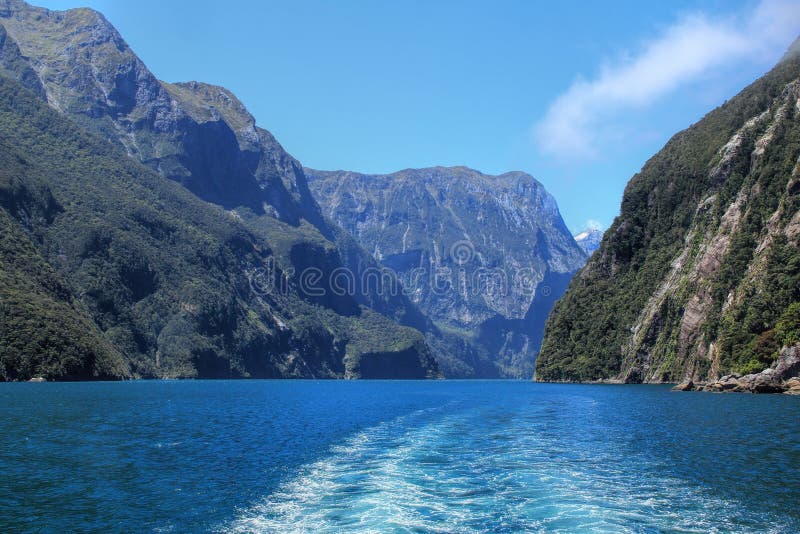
(44,330)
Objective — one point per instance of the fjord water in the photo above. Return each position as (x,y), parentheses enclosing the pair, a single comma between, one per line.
(394,455)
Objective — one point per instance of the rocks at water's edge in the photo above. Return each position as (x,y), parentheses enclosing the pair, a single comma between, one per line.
(781,377)
(684,386)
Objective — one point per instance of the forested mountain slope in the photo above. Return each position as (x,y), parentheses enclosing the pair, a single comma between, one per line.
(699,276)
(166,278)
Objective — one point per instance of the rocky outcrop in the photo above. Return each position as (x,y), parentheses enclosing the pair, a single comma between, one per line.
(782,377)
(485,257)
(792,386)
(684,386)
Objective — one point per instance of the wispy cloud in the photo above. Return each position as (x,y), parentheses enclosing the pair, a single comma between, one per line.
(691,48)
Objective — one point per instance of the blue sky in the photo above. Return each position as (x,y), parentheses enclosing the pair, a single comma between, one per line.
(578,94)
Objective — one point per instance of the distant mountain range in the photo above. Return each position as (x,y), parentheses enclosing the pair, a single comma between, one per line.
(152,229)
(699,276)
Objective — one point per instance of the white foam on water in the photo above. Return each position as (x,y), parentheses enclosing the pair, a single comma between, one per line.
(445,470)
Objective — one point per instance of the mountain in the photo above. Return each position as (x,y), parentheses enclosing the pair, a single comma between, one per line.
(111,270)
(485,257)
(589,240)
(176,231)
(699,276)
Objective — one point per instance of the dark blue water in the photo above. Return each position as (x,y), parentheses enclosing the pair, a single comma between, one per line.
(410,456)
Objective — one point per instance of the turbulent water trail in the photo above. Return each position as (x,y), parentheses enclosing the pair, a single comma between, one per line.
(466,468)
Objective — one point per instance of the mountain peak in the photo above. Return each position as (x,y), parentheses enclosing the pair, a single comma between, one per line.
(589,240)
(77,25)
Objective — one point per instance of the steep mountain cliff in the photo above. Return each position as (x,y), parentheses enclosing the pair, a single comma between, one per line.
(483,256)
(699,276)
(177,286)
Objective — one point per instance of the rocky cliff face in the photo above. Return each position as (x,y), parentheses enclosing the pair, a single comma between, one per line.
(483,256)
(203,138)
(699,276)
(589,240)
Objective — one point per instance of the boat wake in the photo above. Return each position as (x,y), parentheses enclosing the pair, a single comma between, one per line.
(467,469)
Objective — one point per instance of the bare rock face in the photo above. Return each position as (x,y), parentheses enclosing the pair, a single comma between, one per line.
(14,65)
(788,364)
(792,386)
(483,256)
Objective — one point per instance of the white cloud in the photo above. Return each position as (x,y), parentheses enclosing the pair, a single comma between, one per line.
(593,224)
(576,121)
